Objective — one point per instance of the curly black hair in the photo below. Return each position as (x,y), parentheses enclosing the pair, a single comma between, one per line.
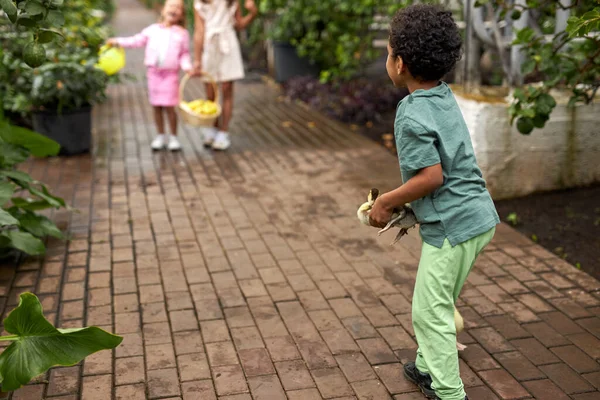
(427,39)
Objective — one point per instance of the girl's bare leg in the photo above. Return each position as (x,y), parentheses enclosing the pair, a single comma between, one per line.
(158,120)
(227,105)
(172,117)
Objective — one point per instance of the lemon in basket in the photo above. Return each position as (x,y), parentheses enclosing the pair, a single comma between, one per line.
(201,107)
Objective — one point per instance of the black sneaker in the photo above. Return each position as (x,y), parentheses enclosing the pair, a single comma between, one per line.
(423,381)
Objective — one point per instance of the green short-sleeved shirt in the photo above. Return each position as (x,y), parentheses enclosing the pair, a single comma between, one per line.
(430,130)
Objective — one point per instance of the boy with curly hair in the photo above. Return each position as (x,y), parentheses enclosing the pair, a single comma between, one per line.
(443,184)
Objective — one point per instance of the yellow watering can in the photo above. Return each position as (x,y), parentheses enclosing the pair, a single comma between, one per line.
(111,60)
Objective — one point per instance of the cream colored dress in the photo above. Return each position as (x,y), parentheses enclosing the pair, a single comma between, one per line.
(222,56)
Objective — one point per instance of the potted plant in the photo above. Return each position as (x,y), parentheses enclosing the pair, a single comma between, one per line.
(62,94)
(330,38)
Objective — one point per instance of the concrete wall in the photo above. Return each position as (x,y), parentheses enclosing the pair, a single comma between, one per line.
(564,154)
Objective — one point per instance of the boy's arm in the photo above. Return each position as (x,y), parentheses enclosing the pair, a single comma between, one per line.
(423,183)
(242,22)
(417,148)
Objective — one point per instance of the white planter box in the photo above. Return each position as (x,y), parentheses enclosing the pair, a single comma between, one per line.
(564,154)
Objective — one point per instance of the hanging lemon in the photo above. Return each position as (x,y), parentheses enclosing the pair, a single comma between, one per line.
(34,54)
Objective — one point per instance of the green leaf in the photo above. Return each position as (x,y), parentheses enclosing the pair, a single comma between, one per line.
(540,120)
(25,20)
(48,35)
(31,205)
(25,242)
(38,145)
(39,346)
(39,225)
(11,155)
(6,191)
(57,3)
(7,219)
(34,7)
(10,9)
(21,176)
(55,18)
(516,14)
(45,195)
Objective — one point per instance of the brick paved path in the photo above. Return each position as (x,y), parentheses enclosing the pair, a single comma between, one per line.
(245,274)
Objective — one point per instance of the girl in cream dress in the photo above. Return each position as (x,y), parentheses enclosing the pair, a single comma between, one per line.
(217,53)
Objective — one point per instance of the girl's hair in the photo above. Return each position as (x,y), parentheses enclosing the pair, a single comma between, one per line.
(229,2)
(181,21)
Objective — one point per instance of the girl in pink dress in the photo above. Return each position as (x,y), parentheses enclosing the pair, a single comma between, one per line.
(167,51)
(217,52)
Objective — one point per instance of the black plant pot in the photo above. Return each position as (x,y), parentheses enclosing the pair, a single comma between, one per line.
(288,64)
(71,129)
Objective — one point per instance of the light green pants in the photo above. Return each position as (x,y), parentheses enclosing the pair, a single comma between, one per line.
(440,278)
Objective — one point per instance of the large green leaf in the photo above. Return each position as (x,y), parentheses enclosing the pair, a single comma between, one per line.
(44,194)
(39,225)
(10,9)
(7,219)
(31,205)
(7,189)
(25,242)
(11,154)
(39,346)
(34,7)
(38,145)
(21,176)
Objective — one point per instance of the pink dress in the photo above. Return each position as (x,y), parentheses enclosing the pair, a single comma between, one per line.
(167,51)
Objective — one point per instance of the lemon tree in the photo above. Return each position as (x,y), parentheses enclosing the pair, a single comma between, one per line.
(41,18)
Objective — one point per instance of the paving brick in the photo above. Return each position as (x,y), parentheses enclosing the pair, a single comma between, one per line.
(31,392)
(359,327)
(183,320)
(507,327)
(304,394)
(63,381)
(160,356)
(331,383)
(157,333)
(491,340)
(266,387)
(96,387)
(561,323)
(477,358)
(221,353)
(339,341)
(229,380)
(479,392)
(376,351)
(163,383)
(129,370)
(576,359)
(256,362)
(504,384)
(98,363)
(198,390)
(536,352)
(294,375)
(519,366)
(545,389)
(593,378)
(282,348)
(247,338)
(565,378)
(131,392)
(546,335)
(397,338)
(193,367)
(315,353)
(392,376)
(126,303)
(238,317)
(588,343)
(214,331)
(345,308)
(130,346)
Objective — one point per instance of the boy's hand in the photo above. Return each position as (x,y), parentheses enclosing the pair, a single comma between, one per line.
(380,214)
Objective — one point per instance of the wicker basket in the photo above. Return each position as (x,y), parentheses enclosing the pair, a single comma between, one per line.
(199,119)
